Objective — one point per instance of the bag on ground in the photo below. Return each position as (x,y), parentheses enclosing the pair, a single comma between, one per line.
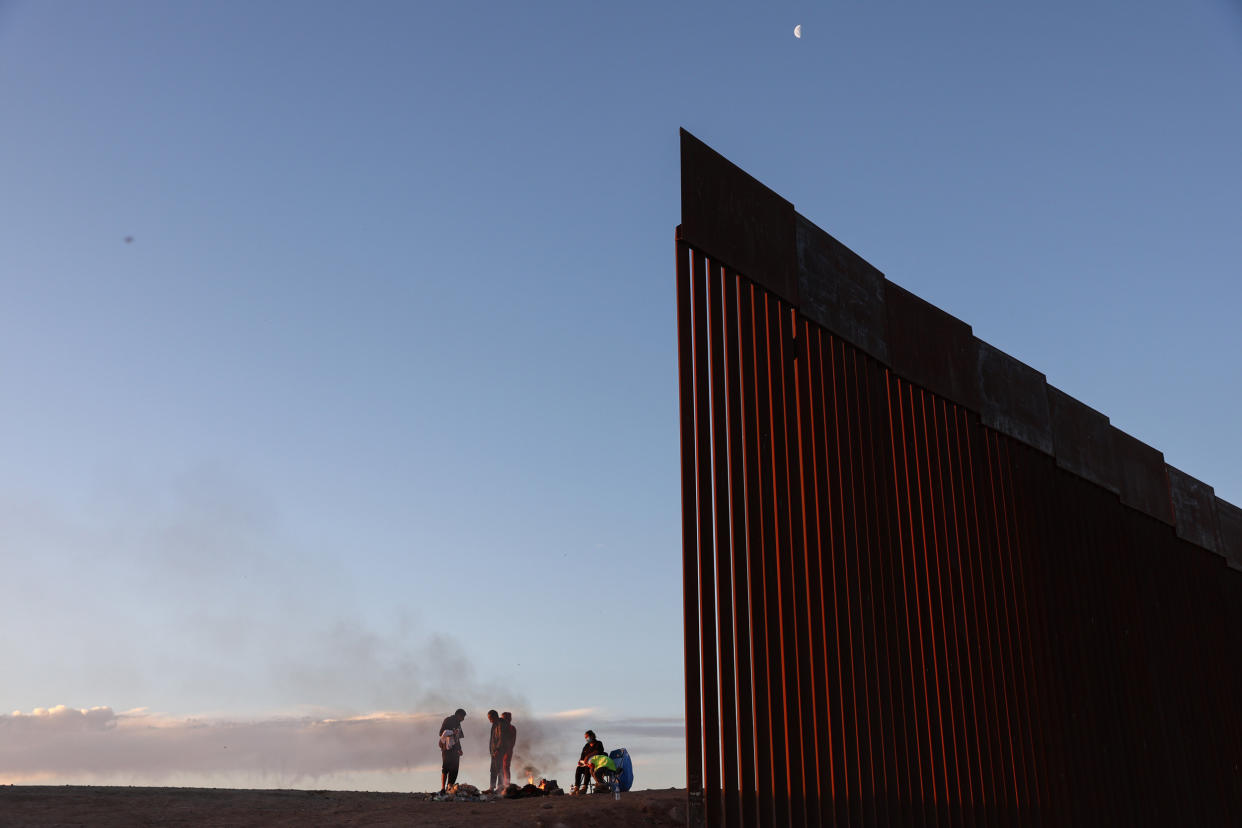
(625,768)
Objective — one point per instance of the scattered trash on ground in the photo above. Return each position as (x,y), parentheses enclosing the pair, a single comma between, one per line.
(462,792)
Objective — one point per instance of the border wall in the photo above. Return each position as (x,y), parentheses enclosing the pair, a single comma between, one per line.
(923,586)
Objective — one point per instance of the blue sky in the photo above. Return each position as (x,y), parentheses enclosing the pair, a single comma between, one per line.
(376,414)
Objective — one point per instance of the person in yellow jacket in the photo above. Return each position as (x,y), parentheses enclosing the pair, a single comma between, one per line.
(603,769)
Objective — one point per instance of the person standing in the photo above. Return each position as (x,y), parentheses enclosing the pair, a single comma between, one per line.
(451,736)
(495,744)
(507,741)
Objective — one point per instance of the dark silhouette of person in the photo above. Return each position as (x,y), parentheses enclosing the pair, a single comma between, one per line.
(593,747)
(495,742)
(507,742)
(451,736)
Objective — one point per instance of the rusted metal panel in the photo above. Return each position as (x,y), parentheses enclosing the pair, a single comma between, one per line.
(922,732)
(1194,509)
(1013,397)
(845,596)
(869,550)
(706,548)
(891,779)
(743,223)
(1027,699)
(686,332)
(765,592)
(1014,791)
(820,488)
(1230,517)
(947,369)
(724,754)
(953,714)
(841,291)
(1083,440)
(739,754)
(785,560)
(1141,476)
(1036,518)
(832,510)
(809,600)
(757,428)
(975,729)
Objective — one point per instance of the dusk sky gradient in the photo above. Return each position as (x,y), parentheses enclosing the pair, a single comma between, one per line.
(376,414)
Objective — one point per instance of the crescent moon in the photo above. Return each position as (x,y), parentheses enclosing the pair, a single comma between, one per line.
(798,31)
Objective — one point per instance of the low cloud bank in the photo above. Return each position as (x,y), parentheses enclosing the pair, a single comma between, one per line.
(68,745)
(59,719)
(100,742)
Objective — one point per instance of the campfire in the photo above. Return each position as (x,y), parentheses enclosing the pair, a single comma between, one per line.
(544,787)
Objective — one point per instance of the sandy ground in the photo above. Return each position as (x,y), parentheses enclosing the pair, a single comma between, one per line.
(107,807)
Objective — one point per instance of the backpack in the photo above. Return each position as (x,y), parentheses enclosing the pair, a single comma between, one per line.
(625,768)
(448,740)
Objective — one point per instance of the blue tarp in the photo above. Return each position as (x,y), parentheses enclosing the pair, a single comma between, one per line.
(625,772)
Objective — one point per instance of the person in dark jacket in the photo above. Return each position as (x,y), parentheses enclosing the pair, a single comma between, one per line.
(508,740)
(593,747)
(451,736)
(495,779)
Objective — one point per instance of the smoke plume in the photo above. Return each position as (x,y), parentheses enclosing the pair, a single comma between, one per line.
(98,745)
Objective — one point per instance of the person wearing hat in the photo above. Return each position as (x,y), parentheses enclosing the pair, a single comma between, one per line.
(450,748)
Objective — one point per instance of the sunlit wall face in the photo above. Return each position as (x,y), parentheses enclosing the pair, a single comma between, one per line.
(897,612)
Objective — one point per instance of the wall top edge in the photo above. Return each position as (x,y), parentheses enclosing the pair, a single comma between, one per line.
(1069,399)
(730,215)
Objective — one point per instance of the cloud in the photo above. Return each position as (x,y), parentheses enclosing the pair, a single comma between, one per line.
(60,719)
(98,742)
(579,713)
(71,745)
(651,727)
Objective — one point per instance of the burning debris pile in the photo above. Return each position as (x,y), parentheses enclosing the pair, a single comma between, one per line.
(461,792)
(545,787)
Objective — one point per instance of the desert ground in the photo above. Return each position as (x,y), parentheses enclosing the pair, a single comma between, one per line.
(113,807)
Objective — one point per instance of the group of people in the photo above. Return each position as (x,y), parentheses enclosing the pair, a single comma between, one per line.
(500,744)
(594,764)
